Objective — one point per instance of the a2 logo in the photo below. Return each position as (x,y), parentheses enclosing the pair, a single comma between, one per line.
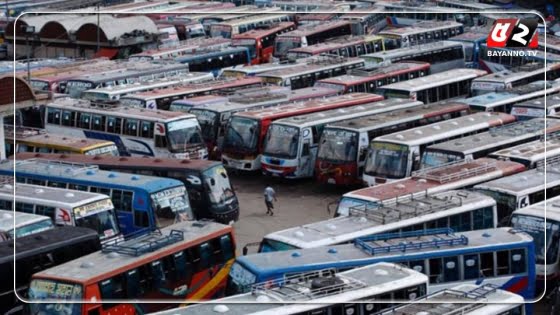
(518,33)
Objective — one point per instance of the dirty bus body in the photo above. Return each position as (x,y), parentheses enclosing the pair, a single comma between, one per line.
(537,107)
(244,138)
(397,155)
(336,166)
(531,153)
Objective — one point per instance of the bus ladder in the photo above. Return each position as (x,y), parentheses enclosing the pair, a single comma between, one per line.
(517,129)
(144,244)
(551,164)
(481,168)
(416,240)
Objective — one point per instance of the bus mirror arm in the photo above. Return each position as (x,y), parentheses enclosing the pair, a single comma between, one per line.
(332,203)
(246,247)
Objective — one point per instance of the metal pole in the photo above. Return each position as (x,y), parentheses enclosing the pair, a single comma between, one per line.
(28,61)
(97,28)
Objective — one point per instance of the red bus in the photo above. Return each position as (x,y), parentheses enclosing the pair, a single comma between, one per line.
(361,80)
(343,146)
(244,137)
(346,46)
(186,261)
(260,42)
(162,98)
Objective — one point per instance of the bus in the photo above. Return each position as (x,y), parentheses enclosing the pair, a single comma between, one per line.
(233,27)
(370,23)
(455,175)
(135,131)
(508,79)
(291,144)
(172,264)
(420,33)
(368,80)
(75,208)
(139,72)
(213,60)
(213,119)
(185,105)
(253,70)
(456,209)
(345,46)
(25,223)
(531,153)
(316,68)
(396,155)
(260,41)
(208,186)
(403,13)
(181,48)
(309,35)
(162,98)
(482,144)
(471,42)
(542,222)
(550,44)
(522,189)
(433,88)
(441,56)
(537,107)
(114,93)
(246,131)
(321,292)
(138,199)
(28,139)
(467,299)
(496,59)
(34,253)
(443,250)
(335,165)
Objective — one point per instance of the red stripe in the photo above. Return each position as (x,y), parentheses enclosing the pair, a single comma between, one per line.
(519,285)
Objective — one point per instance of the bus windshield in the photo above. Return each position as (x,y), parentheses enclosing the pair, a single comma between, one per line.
(283,44)
(183,134)
(282,141)
(328,85)
(241,279)
(219,188)
(269,245)
(505,202)
(133,102)
(387,159)
(98,216)
(39,85)
(40,289)
(436,158)
(338,145)
(32,228)
(96,96)
(174,200)
(347,203)
(207,120)
(110,150)
(535,226)
(242,133)
(74,89)
(246,42)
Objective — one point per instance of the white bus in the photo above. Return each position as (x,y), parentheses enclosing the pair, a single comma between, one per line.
(466,299)
(136,131)
(65,207)
(291,144)
(229,28)
(531,153)
(396,155)
(325,292)
(538,107)
(25,223)
(420,33)
(442,56)
(482,144)
(508,79)
(457,209)
(252,70)
(542,222)
(434,87)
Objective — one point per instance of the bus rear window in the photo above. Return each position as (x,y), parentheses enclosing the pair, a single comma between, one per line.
(269,245)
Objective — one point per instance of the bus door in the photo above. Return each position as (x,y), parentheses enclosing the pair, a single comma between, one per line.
(197,194)
(363,144)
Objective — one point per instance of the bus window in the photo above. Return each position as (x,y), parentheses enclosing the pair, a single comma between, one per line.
(68,118)
(84,120)
(113,124)
(227,248)
(451,269)
(436,275)
(487,264)
(206,255)
(141,218)
(518,261)
(470,267)
(131,127)
(53,116)
(98,123)
(132,284)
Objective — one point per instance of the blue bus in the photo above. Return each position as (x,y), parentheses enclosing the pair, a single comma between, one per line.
(214,60)
(471,42)
(137,198)
(499,256)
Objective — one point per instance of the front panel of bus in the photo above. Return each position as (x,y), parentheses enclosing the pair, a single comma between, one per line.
(282,155)
(387,162)
(209,122)
(337,158)
(242,143)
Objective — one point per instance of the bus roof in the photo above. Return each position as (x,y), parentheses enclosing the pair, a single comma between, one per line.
(312,65)
(95,266)
(357,76)
(312,29)
(88,173)
(394,117)
(57,141)
(548,209)
(473,35)
(387,217)
(254,18)
(130,71)
(324,103)
(192,43)
(434,80)
(333,43)
(210,52)
(263,31)
(104,109)
(454,175)
(310,93)
(412,51)
(552,101)
(495,136)
(525,182)
(335,254)
(516,73)
(356,284)
(21,219)
(488,99)
(531,151)
(447,128)
(420,27)
(140,162)
(242,102)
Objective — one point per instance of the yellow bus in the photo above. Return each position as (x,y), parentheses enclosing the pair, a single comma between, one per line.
(38,140)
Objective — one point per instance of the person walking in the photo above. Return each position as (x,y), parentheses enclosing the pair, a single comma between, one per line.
(269,197)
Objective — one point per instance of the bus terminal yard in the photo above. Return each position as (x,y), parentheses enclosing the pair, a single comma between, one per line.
(368,163)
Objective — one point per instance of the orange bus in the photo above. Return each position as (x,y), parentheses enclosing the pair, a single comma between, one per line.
(186,261)
(260,41)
